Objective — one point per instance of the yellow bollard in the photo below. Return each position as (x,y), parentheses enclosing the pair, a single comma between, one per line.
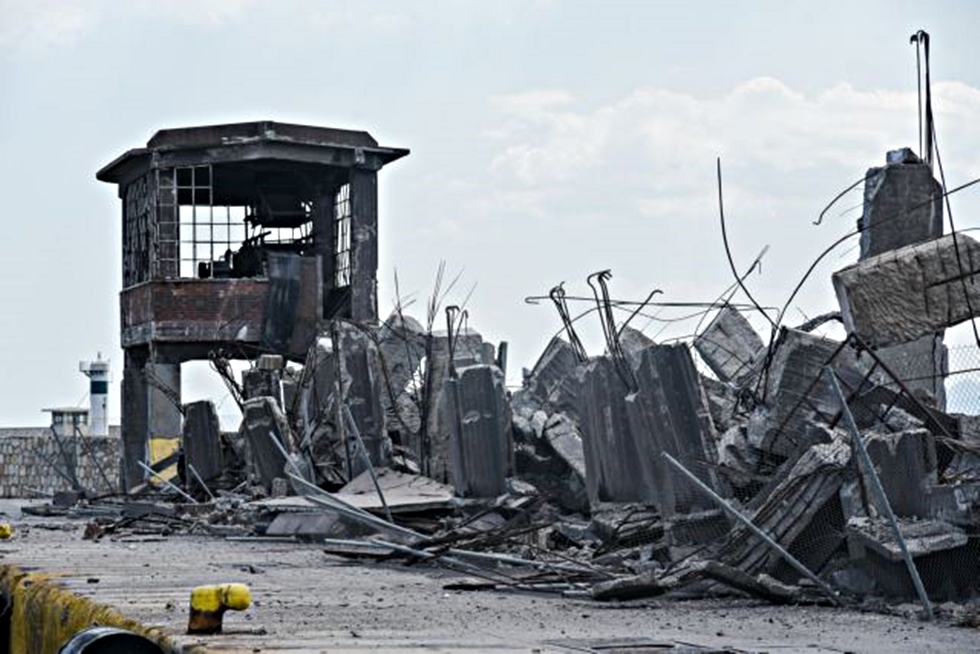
(6,530)
(209,603)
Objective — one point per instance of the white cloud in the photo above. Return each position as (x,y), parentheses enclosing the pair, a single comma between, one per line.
(198,13)
(657,139)
(35,26)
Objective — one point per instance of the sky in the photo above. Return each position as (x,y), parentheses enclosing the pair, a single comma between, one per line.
(549,140)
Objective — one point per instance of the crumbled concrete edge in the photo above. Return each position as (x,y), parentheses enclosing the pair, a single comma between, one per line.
(45,615)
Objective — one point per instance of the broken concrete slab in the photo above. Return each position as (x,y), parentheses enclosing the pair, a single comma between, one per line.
(940,551)
(401,342)
(563,436)
(810,489)
(796,389)
(738,460)
(729,346)
(555,364)
(475,408)
(201,442)
(915,291)
(722,402)
(403,492)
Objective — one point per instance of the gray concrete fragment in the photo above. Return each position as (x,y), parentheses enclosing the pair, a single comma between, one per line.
(625,435)
(796,388)
(729,345)
(669,414)
(617,470)
(554,365)
(563,435)
(260,417)
(363,385)
(401,341)
(912,292)
(905,463)
(201,442)
(903,205)
(803,503)
(737,458)
(721,401)
(259,382)
(436,457)
(941,552)
(921,536)
(633,342)
(475,408)
(957,504)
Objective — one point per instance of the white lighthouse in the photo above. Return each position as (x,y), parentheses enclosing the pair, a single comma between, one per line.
(98,373)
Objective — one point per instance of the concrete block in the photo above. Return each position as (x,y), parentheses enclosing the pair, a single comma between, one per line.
(554,365)
(903,205)
(911,292)
(201,442)
(615,467)
(260,417)
(729,346)
(921,365)
(475,407)
(905,463)
(363,384)
(796,388)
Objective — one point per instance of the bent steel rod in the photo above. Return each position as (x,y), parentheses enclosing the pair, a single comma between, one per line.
(879,492)
(167,482)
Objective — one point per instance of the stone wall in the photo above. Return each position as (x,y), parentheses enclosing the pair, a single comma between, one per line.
(29,458)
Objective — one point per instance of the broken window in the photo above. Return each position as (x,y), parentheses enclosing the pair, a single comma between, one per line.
(221,221)
(342,237)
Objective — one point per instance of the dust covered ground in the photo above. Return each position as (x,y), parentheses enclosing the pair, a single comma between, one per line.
(307,601)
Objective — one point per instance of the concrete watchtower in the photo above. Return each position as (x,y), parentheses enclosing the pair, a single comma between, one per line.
(239,239)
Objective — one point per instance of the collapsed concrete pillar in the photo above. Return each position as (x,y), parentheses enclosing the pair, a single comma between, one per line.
(912,292)
(262,382)
(363,384)
(903,206)
(616,469)
(669,414)
(476,409)
(434,453)
(262,419)
(201,442)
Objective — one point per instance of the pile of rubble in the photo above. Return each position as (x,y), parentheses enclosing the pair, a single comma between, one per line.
(795,468)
